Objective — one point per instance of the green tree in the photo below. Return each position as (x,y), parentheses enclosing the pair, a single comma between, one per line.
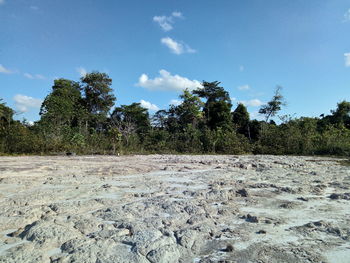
(98,97)
(217,108)
(240,117)
(182,121)
(274,105)
(62,116)
(341,116)
(6,114)
(6,119)
(172,120)
(189,111)
(63,105)
(21,139)
(223,141)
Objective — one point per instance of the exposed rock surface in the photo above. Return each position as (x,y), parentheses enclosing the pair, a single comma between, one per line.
(167,208)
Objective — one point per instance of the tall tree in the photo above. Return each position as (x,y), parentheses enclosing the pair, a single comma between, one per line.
(6,113)
(217,108)
(63,105)
(189,111)
(274,105)
(240,117)
(99,97)
(341,115)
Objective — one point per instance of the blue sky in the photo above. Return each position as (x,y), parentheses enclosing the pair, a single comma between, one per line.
(153,49)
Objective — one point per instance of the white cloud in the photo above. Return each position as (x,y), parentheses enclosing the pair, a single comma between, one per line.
(253,102)
(36,76)
(189,49)
(166,22)
(347,59)
(175,102)
(241,68)
(347,16)
(82,71)
(148,105)
(3,69)
(167,82)
(177,14)
(2,2)
(176,47)
(25,103)
(244,87)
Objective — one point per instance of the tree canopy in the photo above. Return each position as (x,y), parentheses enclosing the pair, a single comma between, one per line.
(217,108)
(63,105)
(98,96)
(80,116)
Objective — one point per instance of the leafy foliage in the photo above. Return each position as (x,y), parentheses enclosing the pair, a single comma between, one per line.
(98,96)
(217,108)
(63,106)
(78,116)
(273,106)
(240,118)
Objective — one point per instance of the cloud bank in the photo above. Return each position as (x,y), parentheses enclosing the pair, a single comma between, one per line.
(176,47)
(24,103)
(252,103)
(175,102)
(167,82)
(149,106)
(166,22)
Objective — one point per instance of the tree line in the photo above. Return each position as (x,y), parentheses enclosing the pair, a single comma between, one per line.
(80,117)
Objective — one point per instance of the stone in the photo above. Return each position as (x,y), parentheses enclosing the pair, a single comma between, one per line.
(166,254)
(242,192)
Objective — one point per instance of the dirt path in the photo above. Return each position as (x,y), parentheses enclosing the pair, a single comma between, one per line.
(167,208)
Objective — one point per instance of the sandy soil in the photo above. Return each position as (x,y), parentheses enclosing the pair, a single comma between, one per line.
(166,208)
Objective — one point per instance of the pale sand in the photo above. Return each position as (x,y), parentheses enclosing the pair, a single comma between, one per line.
(167,208)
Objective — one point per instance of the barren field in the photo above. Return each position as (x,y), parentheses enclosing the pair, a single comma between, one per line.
(167,208)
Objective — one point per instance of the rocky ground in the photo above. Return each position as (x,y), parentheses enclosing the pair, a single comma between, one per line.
(167,208)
